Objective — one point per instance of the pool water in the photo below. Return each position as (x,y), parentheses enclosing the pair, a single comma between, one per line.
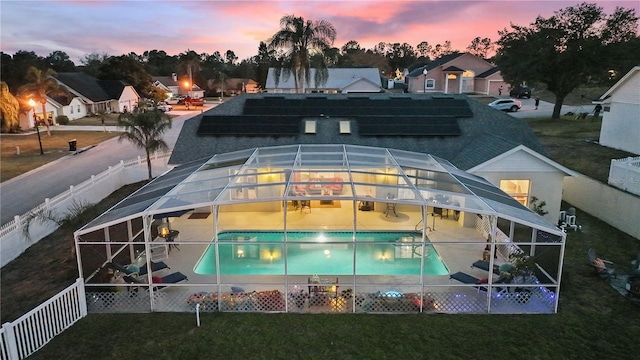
(326,253)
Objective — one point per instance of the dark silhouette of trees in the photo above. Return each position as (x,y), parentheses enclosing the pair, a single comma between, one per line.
(568,49)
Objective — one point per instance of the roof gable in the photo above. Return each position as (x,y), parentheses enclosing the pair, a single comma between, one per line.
(518,155)
(635,71)
(91,88)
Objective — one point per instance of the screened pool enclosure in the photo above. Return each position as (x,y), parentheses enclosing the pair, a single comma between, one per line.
(320,228)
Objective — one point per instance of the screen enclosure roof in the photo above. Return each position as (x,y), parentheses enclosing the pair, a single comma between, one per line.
(277,173)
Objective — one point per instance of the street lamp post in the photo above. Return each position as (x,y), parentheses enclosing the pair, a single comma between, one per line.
(424,72)
(35,122)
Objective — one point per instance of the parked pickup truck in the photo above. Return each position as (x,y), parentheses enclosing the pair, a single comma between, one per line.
(192,101)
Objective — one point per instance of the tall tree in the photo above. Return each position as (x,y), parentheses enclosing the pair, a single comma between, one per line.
(59,61)
(564,50)
(441,50)
(145,129)
(424,49)
(40,85)
(481,47)
(299,39)
(92,62)
(190,64)
(127,69)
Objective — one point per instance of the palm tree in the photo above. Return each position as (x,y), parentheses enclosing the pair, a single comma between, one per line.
(41,83)
(300,39)
(144,129)
(190,62)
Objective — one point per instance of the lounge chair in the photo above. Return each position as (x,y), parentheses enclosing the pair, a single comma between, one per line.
(173,278)
(484,265)
(468,279)
(601,265)
(128,270)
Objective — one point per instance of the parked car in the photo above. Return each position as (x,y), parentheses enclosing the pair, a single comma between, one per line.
(512,105)
(520,91)
(164,107)
(192,101)
(174,100)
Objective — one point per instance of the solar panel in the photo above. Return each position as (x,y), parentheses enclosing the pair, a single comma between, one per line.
(243,125)
(409,126)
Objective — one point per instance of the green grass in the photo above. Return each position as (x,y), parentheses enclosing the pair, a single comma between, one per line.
(55,147)
(594,322)
(573,143)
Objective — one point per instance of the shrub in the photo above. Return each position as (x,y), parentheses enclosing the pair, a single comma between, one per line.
(62,119)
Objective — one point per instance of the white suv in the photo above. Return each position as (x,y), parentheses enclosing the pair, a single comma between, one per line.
(512,105)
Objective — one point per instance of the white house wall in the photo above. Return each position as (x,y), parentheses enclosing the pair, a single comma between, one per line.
(75,110)
(545,180)
(621,127)
(621,123)
(128,100)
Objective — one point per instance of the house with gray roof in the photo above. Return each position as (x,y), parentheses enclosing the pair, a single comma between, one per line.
(467,133)
(328,81)
(458,73)
(175,87)
(99,95)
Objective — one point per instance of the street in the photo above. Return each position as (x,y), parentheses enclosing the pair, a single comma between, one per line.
(23,193)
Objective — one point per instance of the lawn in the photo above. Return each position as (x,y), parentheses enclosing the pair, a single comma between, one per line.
(594,322)
(55,147)
(573,143)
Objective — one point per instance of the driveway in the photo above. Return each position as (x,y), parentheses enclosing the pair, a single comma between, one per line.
(23,193)
(545,109)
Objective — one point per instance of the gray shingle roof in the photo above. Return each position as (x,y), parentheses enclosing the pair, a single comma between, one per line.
(485,135)
(90,87)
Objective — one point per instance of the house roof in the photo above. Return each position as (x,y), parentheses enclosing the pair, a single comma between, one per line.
(488,72)
(90,87)
(634,71)
(434,64)
(168,81)
(337,78)
(483,132)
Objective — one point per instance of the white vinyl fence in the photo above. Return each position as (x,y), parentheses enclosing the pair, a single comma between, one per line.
(625,174)
(14,242)
(33,330)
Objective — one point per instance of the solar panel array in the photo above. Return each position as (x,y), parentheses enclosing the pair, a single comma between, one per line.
(400,116)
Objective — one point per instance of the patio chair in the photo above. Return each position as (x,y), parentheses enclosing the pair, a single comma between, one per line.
(601,265)
(128,270)
(173,278)
(468,279)
(484,265)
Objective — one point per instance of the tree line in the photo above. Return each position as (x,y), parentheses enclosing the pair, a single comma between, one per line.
(577,45)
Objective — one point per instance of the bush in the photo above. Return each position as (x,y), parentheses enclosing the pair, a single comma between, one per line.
(62,119)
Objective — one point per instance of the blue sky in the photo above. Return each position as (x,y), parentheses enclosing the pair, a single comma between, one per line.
(120,27)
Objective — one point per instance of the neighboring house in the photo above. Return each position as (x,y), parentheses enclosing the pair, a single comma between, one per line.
(99,95)
(470,135)
(175,87)
(72,107)
(233,86)
(621,113)
(338,80)
(459,73)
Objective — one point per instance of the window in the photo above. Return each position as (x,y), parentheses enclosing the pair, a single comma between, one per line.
(430,84)
(78,109)
(518,189)
(71,107)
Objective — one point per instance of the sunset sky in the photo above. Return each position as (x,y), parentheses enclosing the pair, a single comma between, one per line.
(120,27)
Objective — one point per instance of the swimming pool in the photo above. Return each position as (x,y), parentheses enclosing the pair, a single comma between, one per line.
(320,252)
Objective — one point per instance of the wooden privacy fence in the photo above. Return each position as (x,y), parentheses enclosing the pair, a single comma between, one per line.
(33,330)
(13,241)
